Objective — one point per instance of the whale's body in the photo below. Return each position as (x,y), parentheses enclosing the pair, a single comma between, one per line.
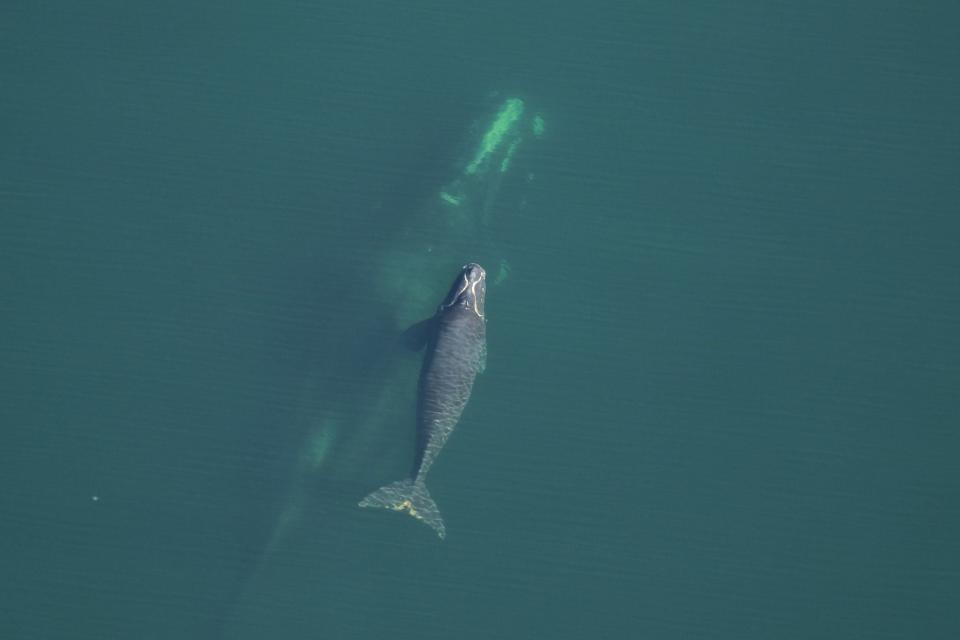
(348,424)
(455,354)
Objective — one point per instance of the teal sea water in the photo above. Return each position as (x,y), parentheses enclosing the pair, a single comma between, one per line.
(721,391)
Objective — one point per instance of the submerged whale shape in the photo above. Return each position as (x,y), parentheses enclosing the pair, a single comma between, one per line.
(456,353)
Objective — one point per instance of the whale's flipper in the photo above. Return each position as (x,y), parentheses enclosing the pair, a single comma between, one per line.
(417,335)
(410,496)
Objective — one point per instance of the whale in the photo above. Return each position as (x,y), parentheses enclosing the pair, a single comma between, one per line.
(353,414)
(455,220)
(456,352)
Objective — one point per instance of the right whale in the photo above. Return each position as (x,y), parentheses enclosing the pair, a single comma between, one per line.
(456,353)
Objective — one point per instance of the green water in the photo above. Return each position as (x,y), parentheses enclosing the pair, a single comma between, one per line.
(720,399)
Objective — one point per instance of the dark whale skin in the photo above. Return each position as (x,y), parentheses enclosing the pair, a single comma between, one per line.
(455,354)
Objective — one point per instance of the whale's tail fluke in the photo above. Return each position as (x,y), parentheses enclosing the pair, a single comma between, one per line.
(412,497)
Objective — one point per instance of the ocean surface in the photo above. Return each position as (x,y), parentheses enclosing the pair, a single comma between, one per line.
(721,391)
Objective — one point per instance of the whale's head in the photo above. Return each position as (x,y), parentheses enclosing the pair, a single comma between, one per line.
(469,290)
